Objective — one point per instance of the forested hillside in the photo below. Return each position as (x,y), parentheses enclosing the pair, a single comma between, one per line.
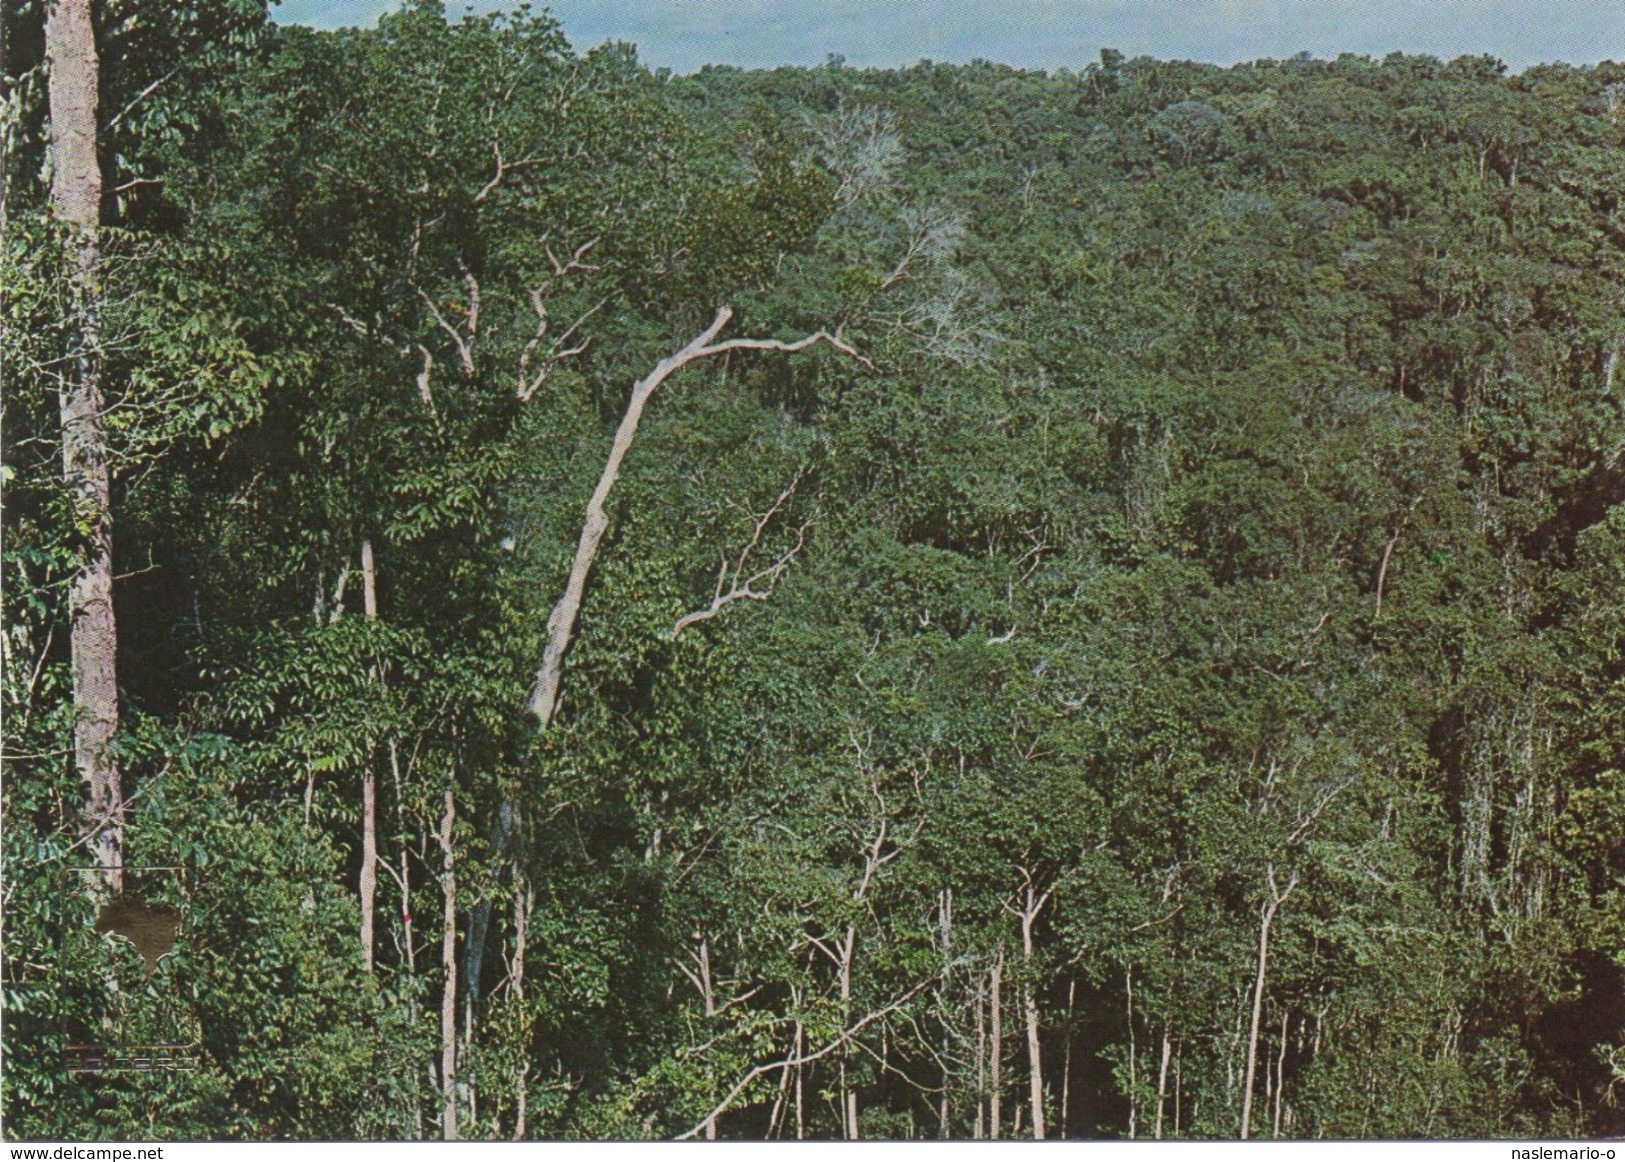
(827,602)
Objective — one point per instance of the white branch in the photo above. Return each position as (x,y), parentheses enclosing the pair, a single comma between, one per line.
(465,350)
(503,170)
(575,263)
(423,377)
(738,587)
(792,1061)
(557,352)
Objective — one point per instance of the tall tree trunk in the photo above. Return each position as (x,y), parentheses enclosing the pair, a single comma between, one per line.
(849,1096)
(945,918)
(979,1130)
(448,966)
(369,783)
(1066,1061)
(76,194)
(1133,1059)
(1277,897)
(1280,1077)
(524,899)
(996,1049)
(1029,1004)
(1162,1082)
(409,948)
(801,1081)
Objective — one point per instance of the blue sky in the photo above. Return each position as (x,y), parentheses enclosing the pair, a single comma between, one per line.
(685,34)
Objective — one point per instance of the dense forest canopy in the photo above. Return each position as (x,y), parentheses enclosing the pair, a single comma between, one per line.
(937,602)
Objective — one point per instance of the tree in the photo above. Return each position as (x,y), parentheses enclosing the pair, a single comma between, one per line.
(76,195)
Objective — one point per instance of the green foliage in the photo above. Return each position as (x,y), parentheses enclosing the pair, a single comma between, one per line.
(1224,522)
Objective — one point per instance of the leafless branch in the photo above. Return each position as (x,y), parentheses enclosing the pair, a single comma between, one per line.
(354,323)
(558,351)
(140,97)
(738,587)
(503,169)
(424,392)
(465,349)
(563,268)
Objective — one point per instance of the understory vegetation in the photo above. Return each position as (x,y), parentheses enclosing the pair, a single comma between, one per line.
(824,602)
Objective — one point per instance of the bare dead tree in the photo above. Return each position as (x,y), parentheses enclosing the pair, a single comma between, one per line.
(860,146)
(931,233)
(561,622)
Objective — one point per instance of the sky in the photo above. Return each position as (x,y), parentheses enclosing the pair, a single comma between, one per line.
(682,35)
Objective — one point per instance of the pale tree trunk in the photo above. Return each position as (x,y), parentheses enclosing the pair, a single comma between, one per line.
(1133,1060)
(1162,1082)
(1029,1004)
(979,1130)
(1066,1061)
(1280,1077)
(524,899)
(403,877)
(996,1048)
(369,783)
(76,194)
(781,1095)
(801,1081)
(945,917)
(708,998)
(1032,904)
(849,1096)
(544,696)
(1277,897)
(448,966)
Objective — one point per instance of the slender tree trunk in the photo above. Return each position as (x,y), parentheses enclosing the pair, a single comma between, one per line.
(1280,1076)
(1029,1004)
(1271,906)
(1133,1062)
(945,918)
(369,784)
(996,1049)
(849,1095)
(1382,569)
(448,966)
(979,1131)
(702,964)
(801,1092)
(1258,1007)
(409,951)
(524,899)
(76,194)
(1162,1082)
(1066,1061)
(369,859)
(561,622)
(781,1095)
